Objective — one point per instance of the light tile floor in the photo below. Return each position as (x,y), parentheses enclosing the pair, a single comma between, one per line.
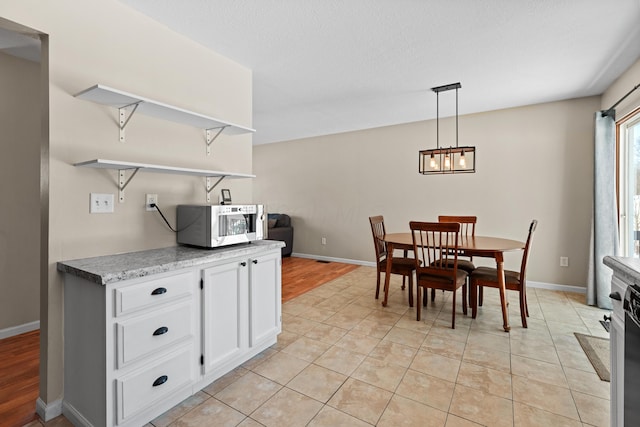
(344,360)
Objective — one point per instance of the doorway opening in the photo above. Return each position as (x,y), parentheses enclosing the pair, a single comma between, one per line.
(24,188)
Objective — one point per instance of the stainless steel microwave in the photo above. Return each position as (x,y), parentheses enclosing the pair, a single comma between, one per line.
(210,226)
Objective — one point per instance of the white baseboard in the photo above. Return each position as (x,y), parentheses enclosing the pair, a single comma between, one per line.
(50,411)
(556,287)
(540,285)
(74,416)
(20,329)
(332,259)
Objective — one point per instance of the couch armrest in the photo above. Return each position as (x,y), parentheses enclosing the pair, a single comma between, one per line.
(283,234)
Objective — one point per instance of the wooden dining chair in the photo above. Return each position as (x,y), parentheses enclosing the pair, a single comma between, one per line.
(404,266)
(435,245)
(467,229)
(514,280)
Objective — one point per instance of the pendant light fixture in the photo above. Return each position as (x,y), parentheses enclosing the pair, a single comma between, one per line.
(442,160)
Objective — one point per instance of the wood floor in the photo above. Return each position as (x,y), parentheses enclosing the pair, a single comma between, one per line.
(19,364)
(300,275)
(20,355)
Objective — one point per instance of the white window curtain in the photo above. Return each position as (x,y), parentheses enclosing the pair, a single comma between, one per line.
(604,232)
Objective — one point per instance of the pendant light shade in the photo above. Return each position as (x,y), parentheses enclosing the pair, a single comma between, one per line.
(441,160)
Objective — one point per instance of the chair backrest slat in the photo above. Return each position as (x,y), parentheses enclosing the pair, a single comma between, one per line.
(435,245)
(467,223)
(378,231)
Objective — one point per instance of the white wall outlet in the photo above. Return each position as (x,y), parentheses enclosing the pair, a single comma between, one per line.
(101,203)
(324,240)
(564,261)
(151,199)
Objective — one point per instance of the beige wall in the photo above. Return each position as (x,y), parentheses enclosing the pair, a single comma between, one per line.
(532,162)
(19,190)
(103,41)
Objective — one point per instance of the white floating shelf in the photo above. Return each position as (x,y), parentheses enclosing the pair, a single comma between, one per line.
(121,100)
(144,167)
(122,167)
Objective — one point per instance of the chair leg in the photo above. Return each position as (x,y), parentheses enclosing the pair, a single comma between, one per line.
(410,290)
(403,277)
(468,294)
(523,309)
(418,301)
(433,295)
(464,299)
(473,299)
(378,285)
(480,292)
(453,314)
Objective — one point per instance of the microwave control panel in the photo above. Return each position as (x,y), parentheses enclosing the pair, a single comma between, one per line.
(237,209)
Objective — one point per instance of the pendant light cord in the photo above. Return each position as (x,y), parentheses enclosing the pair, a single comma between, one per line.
(437,119)
(456,117)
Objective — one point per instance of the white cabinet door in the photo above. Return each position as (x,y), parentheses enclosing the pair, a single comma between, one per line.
(264,297)
(616,340)
(224,309)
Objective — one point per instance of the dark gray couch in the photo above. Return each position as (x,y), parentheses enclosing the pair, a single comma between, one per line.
(280,228)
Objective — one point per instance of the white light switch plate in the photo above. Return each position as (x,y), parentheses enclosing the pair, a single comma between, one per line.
(101,203)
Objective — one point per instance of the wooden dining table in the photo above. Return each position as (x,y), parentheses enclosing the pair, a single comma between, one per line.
(480,246)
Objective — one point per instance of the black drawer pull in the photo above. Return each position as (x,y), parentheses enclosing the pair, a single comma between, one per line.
(161,331)
(161,380)
(616,296)
(159,291)
(255,261)
(244,264)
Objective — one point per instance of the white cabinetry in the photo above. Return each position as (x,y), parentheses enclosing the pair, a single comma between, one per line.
(130,347)
(241,311)
(265,293)
(224,303)
(138,341)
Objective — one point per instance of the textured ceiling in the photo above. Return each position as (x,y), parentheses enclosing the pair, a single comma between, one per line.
(329,66)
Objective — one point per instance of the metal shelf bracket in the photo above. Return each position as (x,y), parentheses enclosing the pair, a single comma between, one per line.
(211,187)
(124,118)
(123,182)
(212,134)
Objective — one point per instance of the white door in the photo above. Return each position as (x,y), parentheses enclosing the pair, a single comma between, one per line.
(265,297)
(224,311)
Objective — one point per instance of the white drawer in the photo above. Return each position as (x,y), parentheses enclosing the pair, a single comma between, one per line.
(136,392)
(159,290)
(146,334)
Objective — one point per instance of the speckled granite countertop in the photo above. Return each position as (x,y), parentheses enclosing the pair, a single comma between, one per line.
(114,268)
(627,267)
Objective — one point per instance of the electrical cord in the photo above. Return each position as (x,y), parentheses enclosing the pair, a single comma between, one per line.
(153,205)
